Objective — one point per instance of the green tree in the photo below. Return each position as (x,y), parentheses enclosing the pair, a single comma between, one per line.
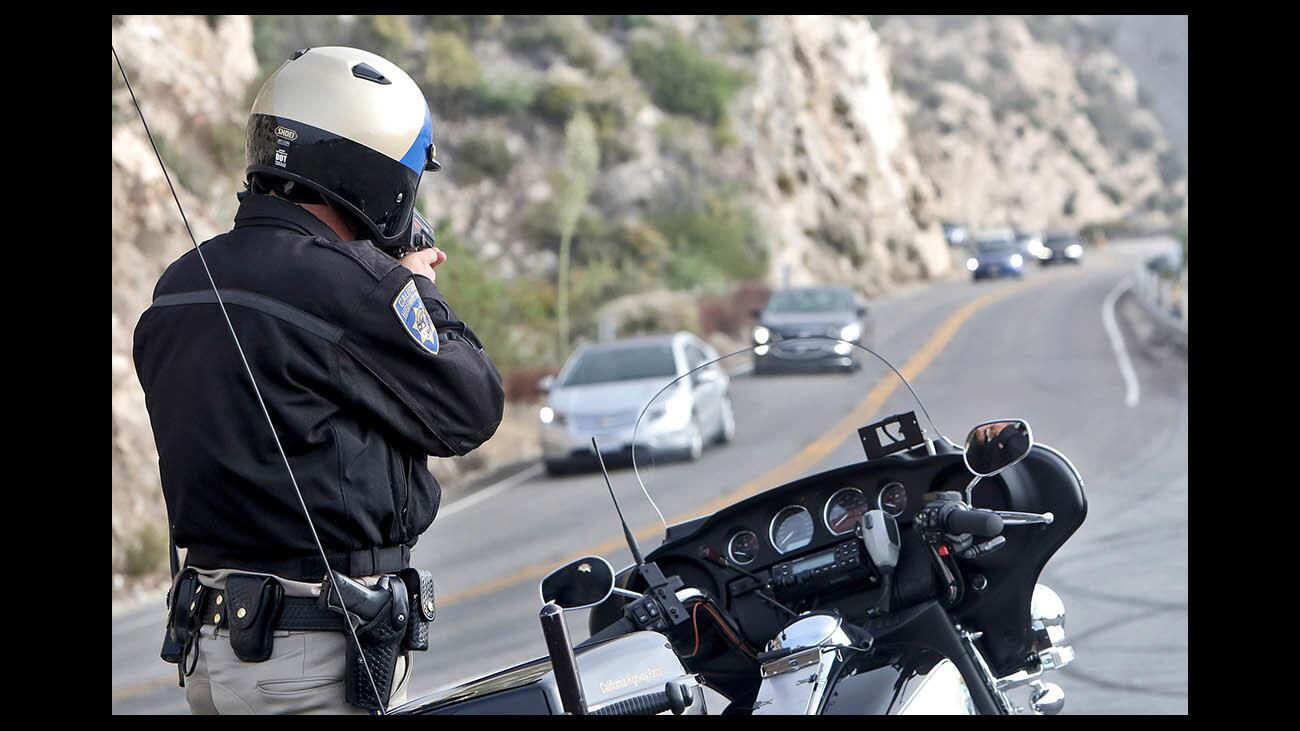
(581,161)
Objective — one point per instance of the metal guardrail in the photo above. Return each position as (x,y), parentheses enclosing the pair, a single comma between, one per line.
(1165,300)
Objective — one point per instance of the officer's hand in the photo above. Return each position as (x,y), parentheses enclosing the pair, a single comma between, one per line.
(424,261)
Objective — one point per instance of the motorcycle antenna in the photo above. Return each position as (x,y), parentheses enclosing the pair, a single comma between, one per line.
(327,584)
(631,539)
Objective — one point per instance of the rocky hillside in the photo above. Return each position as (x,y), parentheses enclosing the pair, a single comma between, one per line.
(730,149)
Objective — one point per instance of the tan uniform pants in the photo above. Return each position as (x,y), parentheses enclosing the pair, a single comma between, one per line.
(303,675)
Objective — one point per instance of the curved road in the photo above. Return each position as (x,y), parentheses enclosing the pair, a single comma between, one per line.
(1038,349)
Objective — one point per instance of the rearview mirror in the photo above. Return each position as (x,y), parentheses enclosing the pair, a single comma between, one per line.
(579,584)
(545,383)
(994,446)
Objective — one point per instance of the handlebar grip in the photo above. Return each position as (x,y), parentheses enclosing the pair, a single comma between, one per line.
(649,704)
(976,522)
(675,697)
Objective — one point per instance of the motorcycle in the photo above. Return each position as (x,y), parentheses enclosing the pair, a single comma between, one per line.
(902,583)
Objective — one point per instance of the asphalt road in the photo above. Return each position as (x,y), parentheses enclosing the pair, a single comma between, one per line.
(1037,349)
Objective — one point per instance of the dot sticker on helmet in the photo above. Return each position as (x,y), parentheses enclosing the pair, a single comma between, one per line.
(415,318)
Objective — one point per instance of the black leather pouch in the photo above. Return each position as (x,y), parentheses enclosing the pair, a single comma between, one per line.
(419,589)
(252,606)
(183,603)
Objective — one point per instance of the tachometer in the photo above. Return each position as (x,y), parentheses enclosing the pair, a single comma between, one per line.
(843,510)
(893,498)
(791,528)
(743,547)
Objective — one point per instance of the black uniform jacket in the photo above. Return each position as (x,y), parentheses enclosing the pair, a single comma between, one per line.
(358,398)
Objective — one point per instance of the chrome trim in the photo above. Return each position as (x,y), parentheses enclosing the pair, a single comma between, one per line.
(1014,517)
(731,555)
(826,509)
(819,639)
(882,492)
(771,537)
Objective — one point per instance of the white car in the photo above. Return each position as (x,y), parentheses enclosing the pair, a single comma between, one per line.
(601,389)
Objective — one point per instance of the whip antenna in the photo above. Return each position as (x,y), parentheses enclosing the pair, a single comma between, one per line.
(271,424)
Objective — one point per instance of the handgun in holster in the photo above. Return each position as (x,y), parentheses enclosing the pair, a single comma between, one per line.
(380,616)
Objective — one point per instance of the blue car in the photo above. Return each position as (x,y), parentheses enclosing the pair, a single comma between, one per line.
(996,255)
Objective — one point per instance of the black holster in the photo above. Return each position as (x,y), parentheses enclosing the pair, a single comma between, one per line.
(183,621)
(380,616)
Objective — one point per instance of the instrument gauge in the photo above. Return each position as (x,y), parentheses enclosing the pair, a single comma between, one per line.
(743,547)
(893,498)
(791,528)
(843,510)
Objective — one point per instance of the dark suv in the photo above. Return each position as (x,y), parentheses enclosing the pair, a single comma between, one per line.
(801,312)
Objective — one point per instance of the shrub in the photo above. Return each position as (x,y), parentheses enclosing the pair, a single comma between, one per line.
(389,36)
(146,552)
(682,79)
(565,35)
(713,240)
(481,155)
(510,96)
(557,100)
(451,73)
(510,316)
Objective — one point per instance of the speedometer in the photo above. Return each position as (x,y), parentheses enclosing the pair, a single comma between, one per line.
(791,528)
(843,510)
(743,547)
(893,499)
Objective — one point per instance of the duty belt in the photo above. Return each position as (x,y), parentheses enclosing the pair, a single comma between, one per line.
(365,562)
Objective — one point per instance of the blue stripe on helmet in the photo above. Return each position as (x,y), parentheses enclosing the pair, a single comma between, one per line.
(418,156)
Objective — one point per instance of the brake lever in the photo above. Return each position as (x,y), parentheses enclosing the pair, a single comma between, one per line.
(1012,517)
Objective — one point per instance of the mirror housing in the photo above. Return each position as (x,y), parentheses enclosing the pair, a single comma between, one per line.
(578,584)
(545,383)
(994,446)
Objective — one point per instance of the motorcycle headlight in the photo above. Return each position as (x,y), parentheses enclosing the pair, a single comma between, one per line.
(972,264)
(762,335)
(851,331)
(1017,260)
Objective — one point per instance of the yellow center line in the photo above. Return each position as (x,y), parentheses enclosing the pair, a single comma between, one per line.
(792,468)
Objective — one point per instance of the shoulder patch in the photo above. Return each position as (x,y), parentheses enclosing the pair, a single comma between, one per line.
(415,318)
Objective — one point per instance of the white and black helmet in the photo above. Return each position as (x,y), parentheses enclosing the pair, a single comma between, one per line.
(352,127)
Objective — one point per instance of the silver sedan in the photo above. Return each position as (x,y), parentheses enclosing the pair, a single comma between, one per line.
(602,388)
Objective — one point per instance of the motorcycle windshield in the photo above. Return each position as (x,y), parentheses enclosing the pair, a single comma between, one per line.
(759,417)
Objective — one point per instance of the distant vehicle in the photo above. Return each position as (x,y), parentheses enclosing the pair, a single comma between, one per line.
(1030,243)
(833,312)
(1061,246)
(955,233)
(996,255)
(600,391)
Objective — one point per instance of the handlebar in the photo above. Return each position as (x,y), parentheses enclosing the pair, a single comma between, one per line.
(984,523)
(675,697)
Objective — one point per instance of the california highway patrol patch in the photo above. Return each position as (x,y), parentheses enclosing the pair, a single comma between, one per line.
(415,318)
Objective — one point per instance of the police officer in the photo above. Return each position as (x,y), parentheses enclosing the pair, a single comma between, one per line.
(365,370)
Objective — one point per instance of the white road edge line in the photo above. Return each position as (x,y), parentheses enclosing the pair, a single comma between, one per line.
(491,490)
(1131,390)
